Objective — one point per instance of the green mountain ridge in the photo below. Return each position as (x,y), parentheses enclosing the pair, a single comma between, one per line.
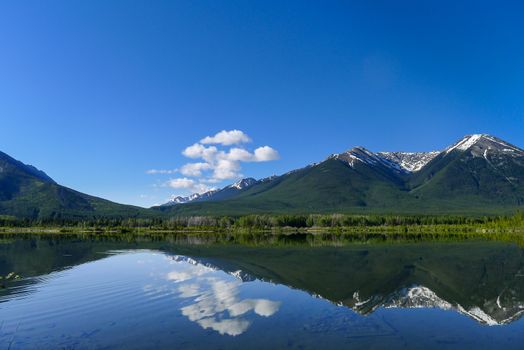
(480,174)
(26,192)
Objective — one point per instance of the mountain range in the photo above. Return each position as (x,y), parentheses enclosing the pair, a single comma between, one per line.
(479,174)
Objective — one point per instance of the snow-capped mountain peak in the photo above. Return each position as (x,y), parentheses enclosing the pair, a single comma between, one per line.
(480,145)
(483,142)
(465,143)
(243,183)
(360,154)
(502,157)
(191,198)
(209,195)
(178,200)
(402,162)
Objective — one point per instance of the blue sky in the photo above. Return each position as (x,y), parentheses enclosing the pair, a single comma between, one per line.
(96,93)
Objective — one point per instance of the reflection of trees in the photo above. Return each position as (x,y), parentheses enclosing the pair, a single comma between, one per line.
(482,280)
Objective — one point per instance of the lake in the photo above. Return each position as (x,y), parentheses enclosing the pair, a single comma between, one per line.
(183,292)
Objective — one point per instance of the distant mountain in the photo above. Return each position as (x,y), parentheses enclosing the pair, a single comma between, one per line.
(478,174)
(227,192)
(191,198)
(26,192)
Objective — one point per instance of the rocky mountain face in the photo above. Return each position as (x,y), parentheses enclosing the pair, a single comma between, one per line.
(401,162)
(409,161)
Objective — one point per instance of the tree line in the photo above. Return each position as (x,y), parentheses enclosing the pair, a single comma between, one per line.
(270,221)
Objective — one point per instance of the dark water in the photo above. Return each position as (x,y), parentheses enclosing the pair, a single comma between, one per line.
(105,293)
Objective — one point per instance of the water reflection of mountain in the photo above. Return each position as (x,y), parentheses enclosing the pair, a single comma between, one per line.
(483,280)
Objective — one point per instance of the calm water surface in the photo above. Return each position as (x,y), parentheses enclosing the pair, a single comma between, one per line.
(115,294)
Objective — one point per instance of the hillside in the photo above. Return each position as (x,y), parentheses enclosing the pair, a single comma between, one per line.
(26,192)
(480,174)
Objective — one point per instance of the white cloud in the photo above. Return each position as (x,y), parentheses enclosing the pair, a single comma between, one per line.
(194,151)
(199,151)
(227,138)
(261,154)
(189,185)
(210,180)
(265,154)
(194,169)
(223,164)
(239,154)
(182,182)
(226,169)
(219,161)
(160,171)
(202,188)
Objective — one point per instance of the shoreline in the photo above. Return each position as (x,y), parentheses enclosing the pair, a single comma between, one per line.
(411,233)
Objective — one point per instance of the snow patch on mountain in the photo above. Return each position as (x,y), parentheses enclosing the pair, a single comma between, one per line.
(244,183)
(495,151)
(482,142)
(465,143)
(401,162)
(239,185)
(410,161)
(191,198)
(360,154)
(480,145)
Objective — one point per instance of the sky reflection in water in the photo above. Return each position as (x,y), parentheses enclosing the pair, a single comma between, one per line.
(82,295)
(213,298)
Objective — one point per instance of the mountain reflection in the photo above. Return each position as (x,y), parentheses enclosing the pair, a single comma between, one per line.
(423,297)
(484,281)
(213,297)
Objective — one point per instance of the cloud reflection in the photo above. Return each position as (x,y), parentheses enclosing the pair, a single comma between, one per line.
(214,299)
